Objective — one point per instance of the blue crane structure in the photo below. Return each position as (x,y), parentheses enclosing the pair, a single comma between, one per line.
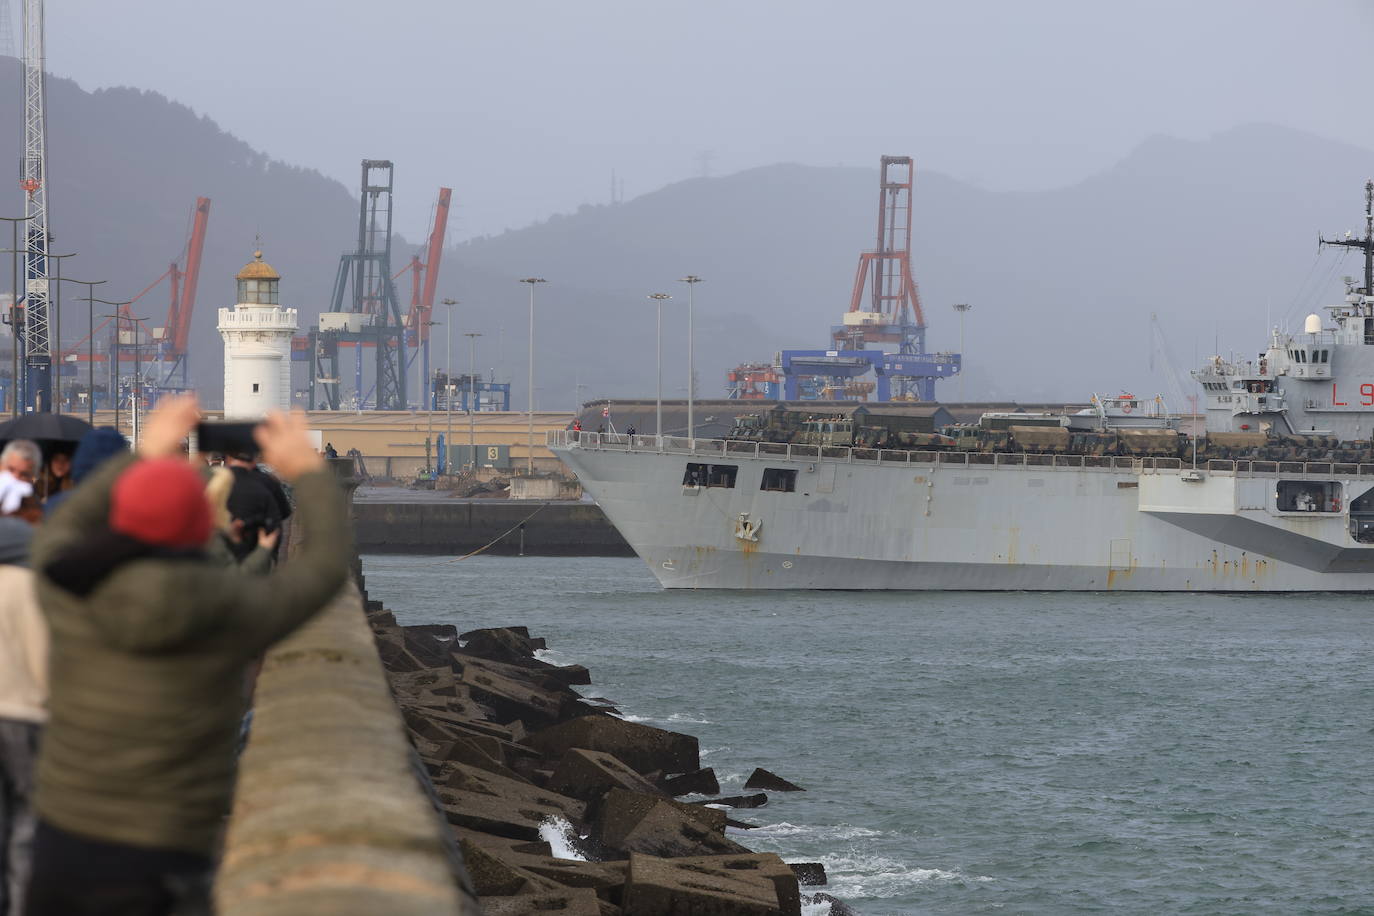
(885,308)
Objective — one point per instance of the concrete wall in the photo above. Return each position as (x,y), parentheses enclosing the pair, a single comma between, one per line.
(329,816)
(459,526)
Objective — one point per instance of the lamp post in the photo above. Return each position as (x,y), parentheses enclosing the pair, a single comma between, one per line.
(659,299)
(14,222)
(119,319)
(529,442)
(448,382)
(691,280)
(90,356)
(57,330)
(472,393)
(962,308)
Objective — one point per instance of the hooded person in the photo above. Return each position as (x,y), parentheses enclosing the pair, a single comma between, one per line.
(234,542)
(150,641)
(95,447)
(23,706)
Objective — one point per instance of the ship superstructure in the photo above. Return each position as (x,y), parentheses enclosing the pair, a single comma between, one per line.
(1319,382)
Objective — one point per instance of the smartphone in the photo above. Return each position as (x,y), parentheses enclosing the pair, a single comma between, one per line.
(226,437)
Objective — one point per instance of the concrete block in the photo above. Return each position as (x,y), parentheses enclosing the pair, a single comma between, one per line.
(643,747)
(571,901)
(730,885)
(762,779)
(588,775)
(698,782)
(630,822)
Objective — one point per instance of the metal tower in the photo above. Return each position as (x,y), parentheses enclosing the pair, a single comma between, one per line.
(1366,244)
(37,340)
(373,296)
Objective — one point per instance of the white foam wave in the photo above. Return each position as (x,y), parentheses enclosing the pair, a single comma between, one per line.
(562,839)
(551,656)
(880,877)
(815,908)
(676,718)
(827,831)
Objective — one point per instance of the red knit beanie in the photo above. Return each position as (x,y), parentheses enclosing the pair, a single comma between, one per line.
(161,502)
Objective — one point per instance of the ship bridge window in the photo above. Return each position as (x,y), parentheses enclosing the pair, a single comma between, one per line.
(1308,496)
(779,480)
(710,475)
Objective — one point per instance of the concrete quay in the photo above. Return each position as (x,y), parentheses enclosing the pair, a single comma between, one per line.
(395,520)
(328,814)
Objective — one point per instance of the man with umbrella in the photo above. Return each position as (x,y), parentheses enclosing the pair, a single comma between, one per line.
(56,435)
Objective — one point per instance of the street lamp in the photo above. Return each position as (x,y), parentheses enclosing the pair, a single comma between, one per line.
(529,443)
(90,356)
(659,298)
(119,318)
(14,222)
(472,393)
(962,308)
(448,382)
(691,280)
(57,330)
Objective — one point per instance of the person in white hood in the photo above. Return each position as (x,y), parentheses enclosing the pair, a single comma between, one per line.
(23,707)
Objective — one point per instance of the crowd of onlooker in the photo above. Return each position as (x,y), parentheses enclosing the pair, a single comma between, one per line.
(136,590)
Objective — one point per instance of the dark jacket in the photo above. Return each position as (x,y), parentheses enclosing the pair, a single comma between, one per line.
(146,670)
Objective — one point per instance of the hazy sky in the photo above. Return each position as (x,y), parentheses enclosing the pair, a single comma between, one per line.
(525,108)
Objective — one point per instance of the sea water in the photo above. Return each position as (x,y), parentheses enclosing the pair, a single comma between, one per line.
(971,753)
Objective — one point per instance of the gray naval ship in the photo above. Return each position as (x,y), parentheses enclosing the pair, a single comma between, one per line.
(1289,506)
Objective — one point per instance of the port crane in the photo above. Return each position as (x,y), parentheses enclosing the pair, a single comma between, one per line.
(172,340)
(424,282)
(884,309)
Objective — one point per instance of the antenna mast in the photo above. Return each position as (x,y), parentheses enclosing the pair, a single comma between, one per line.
(1365,244)
(37,342)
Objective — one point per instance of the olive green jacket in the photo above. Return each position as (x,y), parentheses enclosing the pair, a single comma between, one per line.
(147,671)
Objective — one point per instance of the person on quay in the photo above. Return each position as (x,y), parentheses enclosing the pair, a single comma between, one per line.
(234,542)
(20,460)
(149,643)
(23,707)
(94,448)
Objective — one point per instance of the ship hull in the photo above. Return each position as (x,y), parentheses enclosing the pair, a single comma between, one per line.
(944,524)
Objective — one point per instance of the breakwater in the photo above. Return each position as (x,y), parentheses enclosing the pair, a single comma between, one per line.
(559,804)
(328,815)
(435,524)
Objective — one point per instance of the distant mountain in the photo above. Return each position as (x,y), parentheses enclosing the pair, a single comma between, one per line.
(126,167)
(1215,236)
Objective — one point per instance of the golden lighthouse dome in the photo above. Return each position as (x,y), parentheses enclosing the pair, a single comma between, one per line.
(258,269)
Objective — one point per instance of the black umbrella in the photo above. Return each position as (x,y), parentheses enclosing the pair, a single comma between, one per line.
(44,427)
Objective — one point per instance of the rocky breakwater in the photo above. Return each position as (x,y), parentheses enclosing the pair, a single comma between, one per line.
(559,805)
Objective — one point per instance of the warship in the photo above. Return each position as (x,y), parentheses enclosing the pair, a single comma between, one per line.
(1278,495)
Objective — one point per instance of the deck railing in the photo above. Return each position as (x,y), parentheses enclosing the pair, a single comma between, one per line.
(743,448)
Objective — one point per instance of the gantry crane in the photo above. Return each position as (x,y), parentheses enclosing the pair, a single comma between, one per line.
(172,340)
(424,281)
(885,308)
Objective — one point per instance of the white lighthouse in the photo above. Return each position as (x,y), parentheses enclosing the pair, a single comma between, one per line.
(257,345)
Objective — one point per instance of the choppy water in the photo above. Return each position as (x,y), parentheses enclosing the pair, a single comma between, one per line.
(969,753)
